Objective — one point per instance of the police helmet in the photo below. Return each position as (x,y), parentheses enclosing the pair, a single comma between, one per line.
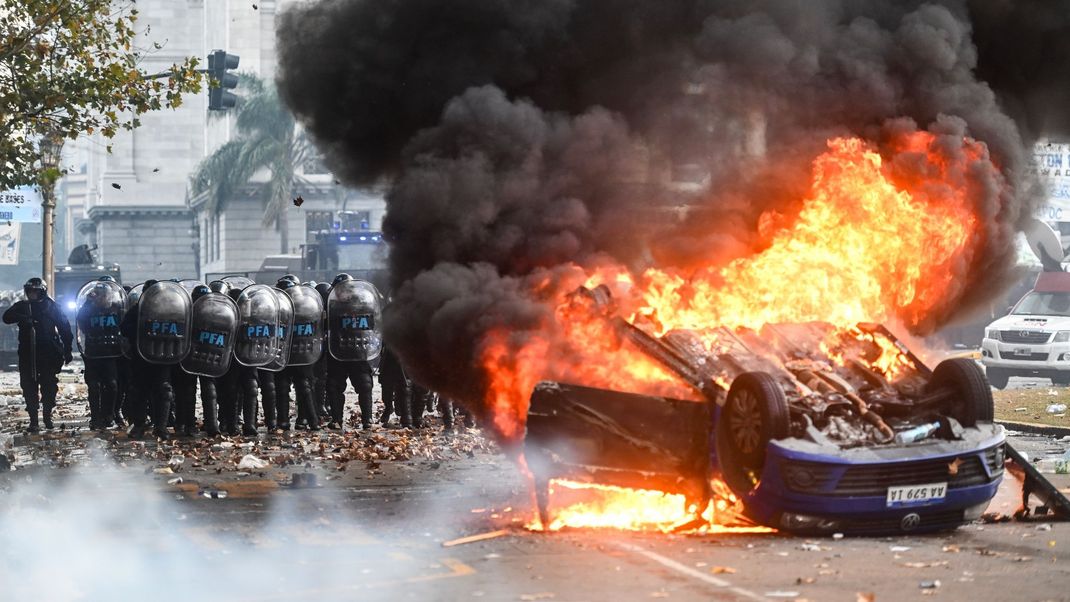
(343,277)
(199,291)
(218,286)
(127,288)
(291,278)
(106,279)
(35,285)
(149,283)
(324,289)
(285,283)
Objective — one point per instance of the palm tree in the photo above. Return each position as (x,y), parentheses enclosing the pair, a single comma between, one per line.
(267,138)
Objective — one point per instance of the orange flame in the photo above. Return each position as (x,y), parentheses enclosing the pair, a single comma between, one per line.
(871,243)
(860,249)
(610,507)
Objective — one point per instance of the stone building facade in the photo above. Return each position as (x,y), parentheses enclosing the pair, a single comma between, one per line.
(134,204)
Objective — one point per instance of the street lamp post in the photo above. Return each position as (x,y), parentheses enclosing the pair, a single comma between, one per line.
(51,146)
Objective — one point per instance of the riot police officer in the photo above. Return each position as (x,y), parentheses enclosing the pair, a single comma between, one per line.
(306,350)
(101,308)
(161,336)
(44,347)
(186,378)
(354,313)
(319,375)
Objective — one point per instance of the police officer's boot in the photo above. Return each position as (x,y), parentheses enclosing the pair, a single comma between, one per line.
(34,427)
(48,418)
(137,431)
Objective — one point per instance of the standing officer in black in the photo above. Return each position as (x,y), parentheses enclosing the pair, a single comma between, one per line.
(44,346)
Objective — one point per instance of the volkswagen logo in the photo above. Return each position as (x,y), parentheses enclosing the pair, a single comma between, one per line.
(910,521)
(1025,334)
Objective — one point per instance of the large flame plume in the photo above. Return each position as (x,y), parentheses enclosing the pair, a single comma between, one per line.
(872,242)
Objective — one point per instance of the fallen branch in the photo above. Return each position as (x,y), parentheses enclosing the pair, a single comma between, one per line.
(460,541)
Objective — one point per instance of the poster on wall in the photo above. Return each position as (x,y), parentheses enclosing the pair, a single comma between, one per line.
(9,242)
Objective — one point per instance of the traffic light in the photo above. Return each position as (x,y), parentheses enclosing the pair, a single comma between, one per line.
(219,62)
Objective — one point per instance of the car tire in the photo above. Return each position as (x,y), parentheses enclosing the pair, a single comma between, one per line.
(1061,380)
(997,377)
(972,401)
(755,412)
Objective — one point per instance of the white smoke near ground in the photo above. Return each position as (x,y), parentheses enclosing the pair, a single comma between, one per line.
(105,531)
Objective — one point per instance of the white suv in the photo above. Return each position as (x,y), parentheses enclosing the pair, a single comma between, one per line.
(1034,339)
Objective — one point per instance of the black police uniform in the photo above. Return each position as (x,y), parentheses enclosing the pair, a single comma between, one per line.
(359,373)
(150,389)
(44,346)
(395,388)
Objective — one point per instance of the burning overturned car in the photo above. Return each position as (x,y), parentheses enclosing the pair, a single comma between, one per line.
(804,427)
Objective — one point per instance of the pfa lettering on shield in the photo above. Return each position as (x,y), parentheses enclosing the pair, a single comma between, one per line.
(106,321)
(162,328)
(358,322)
(214,339)
(257,330)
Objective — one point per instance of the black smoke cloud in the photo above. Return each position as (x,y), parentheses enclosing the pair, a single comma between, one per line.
(524,137)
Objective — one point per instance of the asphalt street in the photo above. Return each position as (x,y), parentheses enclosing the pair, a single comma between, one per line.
(89,518)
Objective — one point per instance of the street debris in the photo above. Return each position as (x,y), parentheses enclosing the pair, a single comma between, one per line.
(474,538)
(925,565)
(722,570)
(933,584)
(251,462)
(538,596)
(303,480)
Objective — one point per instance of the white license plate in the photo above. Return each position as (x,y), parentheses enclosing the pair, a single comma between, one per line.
(1023,352)
(911,495)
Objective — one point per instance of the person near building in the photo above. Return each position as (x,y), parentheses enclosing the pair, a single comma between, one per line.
(44,347)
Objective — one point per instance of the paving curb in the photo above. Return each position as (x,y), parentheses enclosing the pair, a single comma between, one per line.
(1035,429)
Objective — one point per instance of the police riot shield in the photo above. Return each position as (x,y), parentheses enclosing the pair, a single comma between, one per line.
(163,322)
(306,344)
(238,282)
(101,307)
(284,332)
(257,343)
(214,324)
(354,321)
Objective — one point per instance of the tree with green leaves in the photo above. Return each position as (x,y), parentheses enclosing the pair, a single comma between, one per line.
(267,139)
(70,68)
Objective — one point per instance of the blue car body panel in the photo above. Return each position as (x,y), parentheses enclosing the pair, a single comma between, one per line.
(863,507)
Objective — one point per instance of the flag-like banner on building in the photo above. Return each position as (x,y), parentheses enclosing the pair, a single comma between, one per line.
(9,242)
(1051,163)
(22,204)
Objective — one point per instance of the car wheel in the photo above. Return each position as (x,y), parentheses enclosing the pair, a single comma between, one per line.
(997,378)
(754,413)
(972,399)
(1062,380)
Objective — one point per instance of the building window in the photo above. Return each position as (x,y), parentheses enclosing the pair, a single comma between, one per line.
(350,221)
(316,221)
